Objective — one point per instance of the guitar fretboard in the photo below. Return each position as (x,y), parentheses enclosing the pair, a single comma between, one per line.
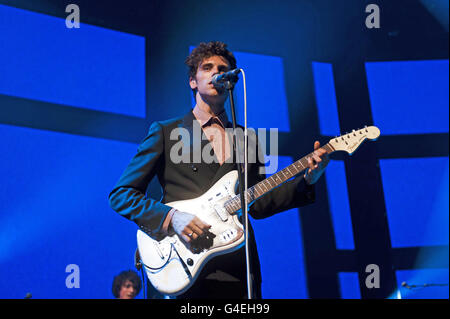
(266,185)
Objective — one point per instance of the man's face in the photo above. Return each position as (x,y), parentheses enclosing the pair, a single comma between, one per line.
(127,290)
(202,81)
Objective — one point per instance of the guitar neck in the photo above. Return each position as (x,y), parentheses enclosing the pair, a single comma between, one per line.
(266,185)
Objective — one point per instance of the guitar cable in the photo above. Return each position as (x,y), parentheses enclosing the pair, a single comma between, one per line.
(138,265)
(144,283)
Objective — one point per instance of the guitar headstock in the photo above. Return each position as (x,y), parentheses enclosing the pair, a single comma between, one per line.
(351,141)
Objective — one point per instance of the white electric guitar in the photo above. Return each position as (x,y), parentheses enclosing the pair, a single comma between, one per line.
(172,266)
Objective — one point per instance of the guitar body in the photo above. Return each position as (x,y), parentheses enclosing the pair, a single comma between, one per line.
(170,265)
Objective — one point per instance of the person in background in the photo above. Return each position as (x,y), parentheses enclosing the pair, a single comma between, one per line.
(126,285)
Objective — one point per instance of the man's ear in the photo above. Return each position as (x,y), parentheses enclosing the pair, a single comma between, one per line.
(192,83)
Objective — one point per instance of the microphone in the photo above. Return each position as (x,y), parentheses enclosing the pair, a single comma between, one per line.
(218,79)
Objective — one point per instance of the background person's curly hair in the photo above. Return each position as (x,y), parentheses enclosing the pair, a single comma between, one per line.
(121,278)
(207,50)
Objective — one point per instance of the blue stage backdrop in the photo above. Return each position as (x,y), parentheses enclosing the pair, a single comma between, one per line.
(54,209)
(54,203)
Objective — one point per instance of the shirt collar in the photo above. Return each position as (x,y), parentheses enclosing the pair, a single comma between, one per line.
(205,118)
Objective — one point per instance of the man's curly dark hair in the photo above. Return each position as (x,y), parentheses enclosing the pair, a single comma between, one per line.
(121,278)
(207,50)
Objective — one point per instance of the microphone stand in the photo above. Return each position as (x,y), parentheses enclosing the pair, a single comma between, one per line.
(229,85)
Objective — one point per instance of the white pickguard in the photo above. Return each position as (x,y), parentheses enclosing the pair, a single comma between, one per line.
(162,263)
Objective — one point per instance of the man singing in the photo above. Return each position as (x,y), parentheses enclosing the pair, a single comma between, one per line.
(223,276)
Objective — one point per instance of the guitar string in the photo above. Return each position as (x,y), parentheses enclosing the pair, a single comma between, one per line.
(232,205)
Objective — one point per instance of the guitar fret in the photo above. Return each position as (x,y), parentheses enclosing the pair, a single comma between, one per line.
(329,148)
(262,183)
(257,185)
(279,179)
(288,174)
(303,165)
(251,194)
(255,192)
(274,179)
(294,168)
(289,171)
(300,162)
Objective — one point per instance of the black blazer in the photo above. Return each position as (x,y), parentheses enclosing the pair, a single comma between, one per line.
(189,180)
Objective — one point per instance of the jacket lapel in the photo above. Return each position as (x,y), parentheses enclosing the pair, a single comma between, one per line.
(198,142)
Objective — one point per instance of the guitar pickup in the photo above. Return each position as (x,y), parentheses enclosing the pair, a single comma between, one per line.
(228,235)
(220,210)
